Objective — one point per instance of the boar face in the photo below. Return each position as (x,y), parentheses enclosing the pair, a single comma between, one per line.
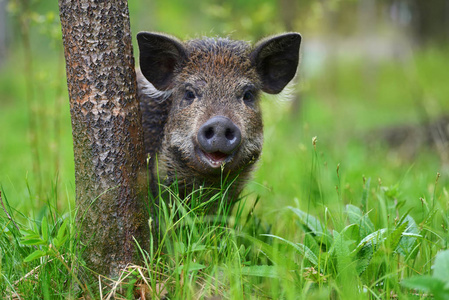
(214,123)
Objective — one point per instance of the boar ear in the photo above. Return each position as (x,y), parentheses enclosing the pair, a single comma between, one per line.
(276,60)
(159,56)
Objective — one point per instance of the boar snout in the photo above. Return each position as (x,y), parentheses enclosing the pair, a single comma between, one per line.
(218,138)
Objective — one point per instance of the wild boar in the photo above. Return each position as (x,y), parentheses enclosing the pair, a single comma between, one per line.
(200,103)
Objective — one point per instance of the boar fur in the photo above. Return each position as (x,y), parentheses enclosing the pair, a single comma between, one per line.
(200,105)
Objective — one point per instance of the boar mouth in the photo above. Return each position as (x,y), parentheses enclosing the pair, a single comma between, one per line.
(215,159)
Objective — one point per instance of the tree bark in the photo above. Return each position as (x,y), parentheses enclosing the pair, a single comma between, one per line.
(107,138)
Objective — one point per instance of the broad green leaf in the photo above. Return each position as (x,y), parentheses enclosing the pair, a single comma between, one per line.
(346,272)
(312,223)
(373,238)
(430,216)
(64,239)
(404,216)
(261,271)
(441,266)
(424,283)
(354,213)
(314,226)
(35,255)
(370,243)
(302,249)
(193,266)
(392,192)
(438,283)
(381,254)
(180,247)
(312,244)
(28,232)
(441,294)
(62,229)
(31,236)
(408,241)
(44,229)
(364,256)
(33,241)
(268,250)
(342,253)
(350,233)
(58,243)
(197,247)
(356,216)
(395,237)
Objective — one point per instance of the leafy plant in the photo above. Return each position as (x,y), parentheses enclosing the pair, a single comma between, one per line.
(45,244)
(437,283)
(48,241)
(358,253)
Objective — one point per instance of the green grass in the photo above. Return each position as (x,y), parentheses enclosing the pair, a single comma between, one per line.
(345,218)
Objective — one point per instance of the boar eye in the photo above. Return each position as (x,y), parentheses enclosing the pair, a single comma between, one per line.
(248,96)
(189,96)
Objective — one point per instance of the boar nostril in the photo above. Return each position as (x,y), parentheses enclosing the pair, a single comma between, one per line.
(209,133)
(229,134)
(219,134)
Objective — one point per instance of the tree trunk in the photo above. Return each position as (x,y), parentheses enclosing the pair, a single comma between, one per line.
(107,138)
